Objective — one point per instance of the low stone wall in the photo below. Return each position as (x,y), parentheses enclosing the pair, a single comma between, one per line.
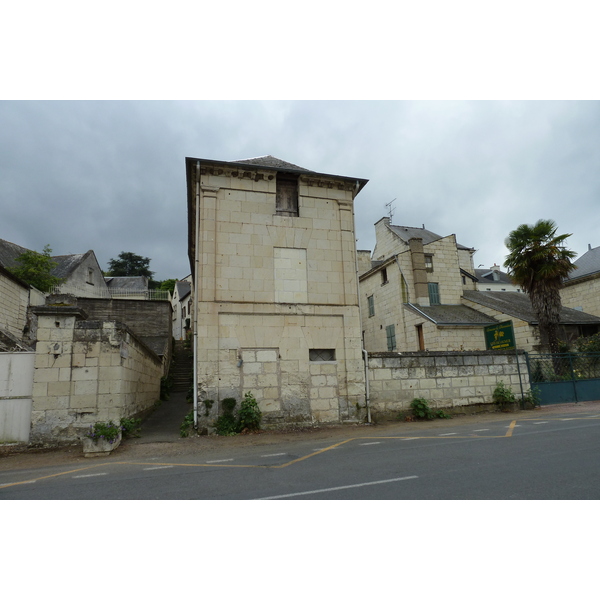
(88,371)
(445,379)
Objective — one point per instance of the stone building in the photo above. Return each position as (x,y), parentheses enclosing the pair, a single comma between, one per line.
(273,258)
(411,292)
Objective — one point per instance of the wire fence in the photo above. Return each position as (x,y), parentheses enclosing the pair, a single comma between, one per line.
(569,366)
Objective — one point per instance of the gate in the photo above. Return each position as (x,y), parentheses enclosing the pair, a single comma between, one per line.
(562,378)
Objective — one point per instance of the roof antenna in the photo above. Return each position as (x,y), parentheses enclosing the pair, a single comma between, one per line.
(391,209)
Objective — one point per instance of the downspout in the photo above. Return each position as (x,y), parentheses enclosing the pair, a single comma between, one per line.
(196,298)
(365,354)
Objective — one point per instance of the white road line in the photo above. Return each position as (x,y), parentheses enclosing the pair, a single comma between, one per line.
(219,461)
(476,430)
(342,487)
(540,422)
(268,455)
(571,419)
(17,482)
(326,448)
(89,475)
(369,443)
(441,434)
(515,426)
(161,467)
(409,439)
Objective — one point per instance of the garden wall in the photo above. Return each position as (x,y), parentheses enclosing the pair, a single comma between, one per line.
(447,380)
(88,371)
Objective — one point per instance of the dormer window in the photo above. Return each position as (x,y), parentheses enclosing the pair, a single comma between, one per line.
(287,195)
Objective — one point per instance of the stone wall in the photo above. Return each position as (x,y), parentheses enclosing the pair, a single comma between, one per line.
(583,295)
(88,371)
(444,379)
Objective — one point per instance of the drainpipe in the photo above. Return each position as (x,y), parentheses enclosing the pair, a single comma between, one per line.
(196,287)
(365,354)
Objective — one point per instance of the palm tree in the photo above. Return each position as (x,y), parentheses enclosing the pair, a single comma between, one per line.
(539,262)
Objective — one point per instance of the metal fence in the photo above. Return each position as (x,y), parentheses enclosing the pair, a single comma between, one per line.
(122,294)
(568,377)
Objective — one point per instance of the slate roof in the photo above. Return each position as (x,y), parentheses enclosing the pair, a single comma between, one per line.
(486,276)
(183,289)
(587,264)
(406,233)
(452,314)
(272,162)
(518,305)
(9,253)
(135,283)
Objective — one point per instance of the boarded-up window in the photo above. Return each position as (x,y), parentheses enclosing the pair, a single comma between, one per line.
(321,355)
(434,293)
(287,195)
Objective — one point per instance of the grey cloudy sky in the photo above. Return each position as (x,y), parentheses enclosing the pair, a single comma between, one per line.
(109,175)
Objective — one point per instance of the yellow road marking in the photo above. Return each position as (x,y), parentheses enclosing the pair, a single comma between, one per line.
(510,429)
(296,460)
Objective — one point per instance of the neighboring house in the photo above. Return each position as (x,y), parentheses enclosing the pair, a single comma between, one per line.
(582,288)
(495,280)
(81,273)
(411,293)
(515,306)
(182,308)
(133,288)
(273,255)
(421,294)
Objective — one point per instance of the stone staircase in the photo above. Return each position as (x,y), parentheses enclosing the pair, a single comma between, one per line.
(182,367)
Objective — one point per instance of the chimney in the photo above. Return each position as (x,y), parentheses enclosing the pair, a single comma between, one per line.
(419,273)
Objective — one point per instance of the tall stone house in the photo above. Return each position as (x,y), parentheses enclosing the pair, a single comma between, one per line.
(419,291)
(411,292)
(273,257)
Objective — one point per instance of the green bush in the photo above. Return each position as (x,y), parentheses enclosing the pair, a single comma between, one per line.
(249,416)
(226,423)
(503,396)
(130,427)
(421,409)
(186,426)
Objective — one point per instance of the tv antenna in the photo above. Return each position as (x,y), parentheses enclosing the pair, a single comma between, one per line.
(391,209)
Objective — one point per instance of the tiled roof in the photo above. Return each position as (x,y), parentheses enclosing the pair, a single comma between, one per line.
(406,233)
(271,161)
(452,314)
(518,305)
(586,264)
(183,289)
(127,283)
(486,276)
(9,253)
(66,264)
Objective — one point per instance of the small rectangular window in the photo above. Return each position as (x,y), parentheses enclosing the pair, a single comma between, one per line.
(429,263)
(371,302)
(287,195)
(321,355)
(390,333)
(90,276)
(434,293)
(384,277)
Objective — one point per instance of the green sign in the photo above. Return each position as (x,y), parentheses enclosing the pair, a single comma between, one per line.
(500,336)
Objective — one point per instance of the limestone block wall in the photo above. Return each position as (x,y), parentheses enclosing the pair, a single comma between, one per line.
(14,299)
(444,379)
(446,269)
(584,294)
(87,371)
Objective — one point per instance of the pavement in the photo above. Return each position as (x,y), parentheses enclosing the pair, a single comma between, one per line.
(164,423)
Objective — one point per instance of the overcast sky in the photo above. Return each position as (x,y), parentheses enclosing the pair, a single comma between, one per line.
(109,175)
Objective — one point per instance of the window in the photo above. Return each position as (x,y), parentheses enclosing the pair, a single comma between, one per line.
(420,337)
(321,355)
(464,279)
(287,195)
(371,302)
(390,333)
(384,278)
(434,293)
(429,263)
(90,276)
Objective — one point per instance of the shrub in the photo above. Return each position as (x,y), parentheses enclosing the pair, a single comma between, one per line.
(503,396)
(104,431)
(186,426)
(130,427)
(249,416)
(420,408)
(226,423)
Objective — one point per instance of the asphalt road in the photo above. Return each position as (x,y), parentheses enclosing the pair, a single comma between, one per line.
(523,456)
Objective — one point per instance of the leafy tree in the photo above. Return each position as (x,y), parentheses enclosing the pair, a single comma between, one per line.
(168,285)
(538,261)
(129,265)
(36,269)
